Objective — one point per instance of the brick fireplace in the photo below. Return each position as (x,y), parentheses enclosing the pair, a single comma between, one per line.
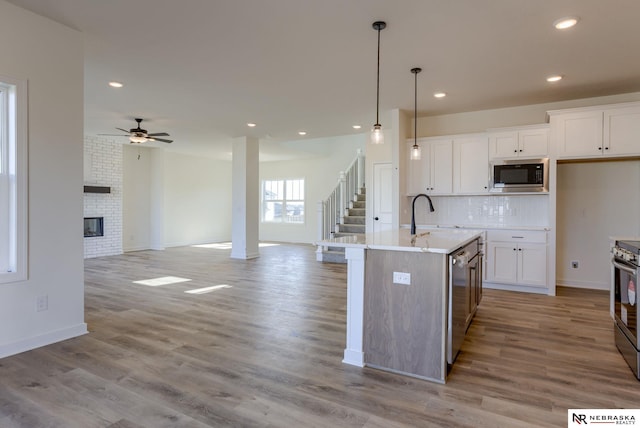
(103,169)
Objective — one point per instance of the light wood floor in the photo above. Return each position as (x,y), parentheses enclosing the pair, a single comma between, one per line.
(266,352)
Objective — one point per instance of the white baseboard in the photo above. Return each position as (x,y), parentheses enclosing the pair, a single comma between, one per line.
(591,285)
(42,340)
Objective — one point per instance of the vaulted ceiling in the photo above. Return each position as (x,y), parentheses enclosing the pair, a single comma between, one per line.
(202,69)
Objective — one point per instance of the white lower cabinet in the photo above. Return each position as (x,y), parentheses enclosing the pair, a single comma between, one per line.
(517,257)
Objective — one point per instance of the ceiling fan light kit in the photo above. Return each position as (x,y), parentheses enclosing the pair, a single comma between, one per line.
(377,136)
(138,135)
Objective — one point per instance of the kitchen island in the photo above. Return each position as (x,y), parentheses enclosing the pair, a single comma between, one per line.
(410,298)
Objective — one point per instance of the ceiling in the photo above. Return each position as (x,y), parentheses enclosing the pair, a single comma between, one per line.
(202,69)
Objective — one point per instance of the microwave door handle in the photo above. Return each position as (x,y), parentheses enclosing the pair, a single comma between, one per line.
(623,267)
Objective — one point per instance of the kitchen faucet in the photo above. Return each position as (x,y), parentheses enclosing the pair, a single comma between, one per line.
(413,211)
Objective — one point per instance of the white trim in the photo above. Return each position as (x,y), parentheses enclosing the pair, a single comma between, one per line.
(43,340)
(19,90)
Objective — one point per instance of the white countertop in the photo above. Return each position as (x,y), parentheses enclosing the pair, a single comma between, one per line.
(442,241)
(475,227)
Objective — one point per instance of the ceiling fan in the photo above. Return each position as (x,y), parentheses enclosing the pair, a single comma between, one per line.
(139,135)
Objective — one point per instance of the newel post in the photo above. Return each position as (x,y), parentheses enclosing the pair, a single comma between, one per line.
(343,195)
(360,169)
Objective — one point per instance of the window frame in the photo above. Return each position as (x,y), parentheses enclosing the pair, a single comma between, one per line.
(284,200)
(13,156)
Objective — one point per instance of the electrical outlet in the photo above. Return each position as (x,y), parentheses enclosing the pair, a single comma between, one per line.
(402,278)
(42,303)
(575,264)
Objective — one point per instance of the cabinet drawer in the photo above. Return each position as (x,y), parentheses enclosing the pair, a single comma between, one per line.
(517,236)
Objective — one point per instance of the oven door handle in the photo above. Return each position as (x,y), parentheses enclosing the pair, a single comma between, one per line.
(623,267)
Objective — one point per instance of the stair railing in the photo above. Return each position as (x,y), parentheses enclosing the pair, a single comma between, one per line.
(332,210)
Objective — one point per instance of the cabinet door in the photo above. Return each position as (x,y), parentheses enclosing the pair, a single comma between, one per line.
(503,144)
(578,134)
(418,177)
(441,166)
(533,143)
(471,165)
(502,262)
(532,264)
(622,131)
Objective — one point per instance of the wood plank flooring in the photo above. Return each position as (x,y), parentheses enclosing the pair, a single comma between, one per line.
(266,352)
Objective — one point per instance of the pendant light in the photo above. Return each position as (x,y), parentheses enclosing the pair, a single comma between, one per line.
(377,136)
(415,150)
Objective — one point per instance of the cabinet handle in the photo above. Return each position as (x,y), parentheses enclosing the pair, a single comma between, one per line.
(521,150)
(599,148)
(606,148)
(514,249)
(515,151)
(376,218)
(519,249)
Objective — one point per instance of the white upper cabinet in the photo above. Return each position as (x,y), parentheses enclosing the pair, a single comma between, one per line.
(432,174)
(597,132)
(577,134)
(471,164)
(621,133)
(525,142)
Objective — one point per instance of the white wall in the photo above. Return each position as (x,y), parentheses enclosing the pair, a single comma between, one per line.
(197,200)
(595,200)
(136,198)
(321,176)
(479,121)
(50,56)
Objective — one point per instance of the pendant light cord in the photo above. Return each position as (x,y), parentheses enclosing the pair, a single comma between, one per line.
(378,79)
(415,110)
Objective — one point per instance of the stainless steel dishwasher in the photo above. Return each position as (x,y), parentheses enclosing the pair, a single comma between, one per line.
(465,280)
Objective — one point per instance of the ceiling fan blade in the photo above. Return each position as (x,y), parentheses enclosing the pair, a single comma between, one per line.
(124,130)
(160,139)
(115,135)
(158,134)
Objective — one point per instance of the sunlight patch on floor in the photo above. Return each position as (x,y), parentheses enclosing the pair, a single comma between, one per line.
(227,245)
(207,289)
(165,280)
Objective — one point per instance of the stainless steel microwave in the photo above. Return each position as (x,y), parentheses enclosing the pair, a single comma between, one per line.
(520,175)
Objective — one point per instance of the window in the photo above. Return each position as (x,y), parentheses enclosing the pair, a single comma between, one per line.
(13,174)
(283,201)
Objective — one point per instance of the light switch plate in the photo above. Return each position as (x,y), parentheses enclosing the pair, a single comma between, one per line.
(403,278)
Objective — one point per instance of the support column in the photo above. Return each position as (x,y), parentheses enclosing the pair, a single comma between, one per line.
(156,221)
(245,198)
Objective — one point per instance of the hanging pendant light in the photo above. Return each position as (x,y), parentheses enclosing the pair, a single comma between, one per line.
(416,153)
(377,136)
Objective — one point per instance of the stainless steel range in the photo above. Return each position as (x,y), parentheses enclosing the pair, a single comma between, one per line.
(626,255)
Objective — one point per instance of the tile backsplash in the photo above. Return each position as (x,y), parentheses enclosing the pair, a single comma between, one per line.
(489,210)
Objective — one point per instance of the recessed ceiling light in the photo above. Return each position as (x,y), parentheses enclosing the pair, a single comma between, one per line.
(357,126)
(440,94)
(115,84)
(564,23)
(251,125)
(302,133)
(553,79)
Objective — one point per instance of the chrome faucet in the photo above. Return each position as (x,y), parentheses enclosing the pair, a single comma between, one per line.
(413,211)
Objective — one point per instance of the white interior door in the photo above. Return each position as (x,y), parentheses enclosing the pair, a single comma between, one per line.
(382,195)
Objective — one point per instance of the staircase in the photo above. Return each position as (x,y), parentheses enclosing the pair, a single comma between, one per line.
(353,223)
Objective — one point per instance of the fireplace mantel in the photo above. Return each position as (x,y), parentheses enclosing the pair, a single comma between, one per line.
(97,189)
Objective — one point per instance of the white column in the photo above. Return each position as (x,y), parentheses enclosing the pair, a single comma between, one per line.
(245,198)
(156,221)
(354,352)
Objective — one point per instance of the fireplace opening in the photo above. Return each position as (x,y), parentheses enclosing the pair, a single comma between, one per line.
(93,226)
